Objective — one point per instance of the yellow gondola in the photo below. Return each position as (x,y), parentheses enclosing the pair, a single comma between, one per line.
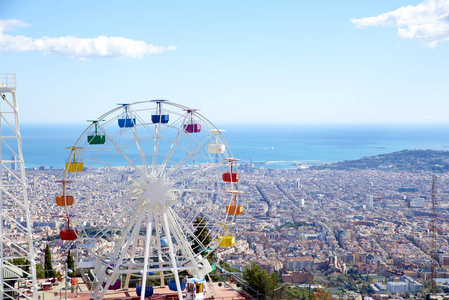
(74,166)
(226,240)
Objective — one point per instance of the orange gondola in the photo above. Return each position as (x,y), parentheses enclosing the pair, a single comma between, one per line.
(64,200)
(234,209)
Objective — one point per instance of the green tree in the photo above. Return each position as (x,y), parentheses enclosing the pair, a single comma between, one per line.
(203,239)
(275,278)
(48,267)
(70,262)
(40,273)
(227,267)
(259,280)
(22,263)
(321,294)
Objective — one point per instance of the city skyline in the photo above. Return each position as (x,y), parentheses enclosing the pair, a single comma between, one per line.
(252,62)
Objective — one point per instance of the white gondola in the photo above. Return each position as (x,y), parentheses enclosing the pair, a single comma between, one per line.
(216,146)
(195,289)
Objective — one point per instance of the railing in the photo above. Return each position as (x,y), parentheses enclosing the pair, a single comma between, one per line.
(228,298)
(244,289)
(8,81)
(249,293)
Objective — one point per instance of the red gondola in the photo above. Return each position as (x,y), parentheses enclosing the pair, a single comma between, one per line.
(231,176)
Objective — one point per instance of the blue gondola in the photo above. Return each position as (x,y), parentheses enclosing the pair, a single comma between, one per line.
(148,291)
(172,285)
(126,119)
(158,117)
(164,242)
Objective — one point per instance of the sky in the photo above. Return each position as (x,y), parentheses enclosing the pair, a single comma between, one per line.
(237,61)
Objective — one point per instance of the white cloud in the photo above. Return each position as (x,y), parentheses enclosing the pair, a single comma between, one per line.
(80,48)
(9,25)
(427,21)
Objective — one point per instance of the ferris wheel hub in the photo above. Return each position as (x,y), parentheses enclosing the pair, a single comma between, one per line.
(156,191)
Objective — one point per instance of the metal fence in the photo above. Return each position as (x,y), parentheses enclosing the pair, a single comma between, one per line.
(236,282)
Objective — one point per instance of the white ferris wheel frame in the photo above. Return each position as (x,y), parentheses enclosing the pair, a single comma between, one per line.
(152,192)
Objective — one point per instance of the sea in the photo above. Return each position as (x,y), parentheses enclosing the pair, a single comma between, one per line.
(271,146)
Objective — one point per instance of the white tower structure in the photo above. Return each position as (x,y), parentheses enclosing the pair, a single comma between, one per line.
(369,202)
(18,267)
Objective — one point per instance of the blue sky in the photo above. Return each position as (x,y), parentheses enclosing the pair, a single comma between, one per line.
(237,61)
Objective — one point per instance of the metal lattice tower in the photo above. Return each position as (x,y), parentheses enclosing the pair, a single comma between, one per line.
(433,232)
(18,267)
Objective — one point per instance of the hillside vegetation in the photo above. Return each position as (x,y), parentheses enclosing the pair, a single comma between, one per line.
(410,160)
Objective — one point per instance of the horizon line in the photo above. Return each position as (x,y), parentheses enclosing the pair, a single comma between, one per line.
(271,123)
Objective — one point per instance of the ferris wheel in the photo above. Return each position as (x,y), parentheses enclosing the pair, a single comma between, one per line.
(150,189)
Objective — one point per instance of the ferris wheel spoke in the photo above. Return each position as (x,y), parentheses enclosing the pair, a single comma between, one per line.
(172,150)
(195,191)
(158,137)
(93,212)
(137,140)
(187,228)
(120,150)
(97,158)
(93,159)
(108,232)
(155,157)
(177,126)
(143,159)
(209,168)
(134,225)
(173,147)
(180,236)
(188,156)
(104,185)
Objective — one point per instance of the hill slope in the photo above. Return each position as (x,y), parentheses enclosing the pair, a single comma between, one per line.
(410,160)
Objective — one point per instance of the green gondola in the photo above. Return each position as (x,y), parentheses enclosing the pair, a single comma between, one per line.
(94,138)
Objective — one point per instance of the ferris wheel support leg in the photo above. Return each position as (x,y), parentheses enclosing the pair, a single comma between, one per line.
(196,272)
(170,248)
(128,276)
(147,251)
(139,218)
(159,251)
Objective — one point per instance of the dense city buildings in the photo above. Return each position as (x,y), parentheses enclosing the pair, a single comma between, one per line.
(298,221)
